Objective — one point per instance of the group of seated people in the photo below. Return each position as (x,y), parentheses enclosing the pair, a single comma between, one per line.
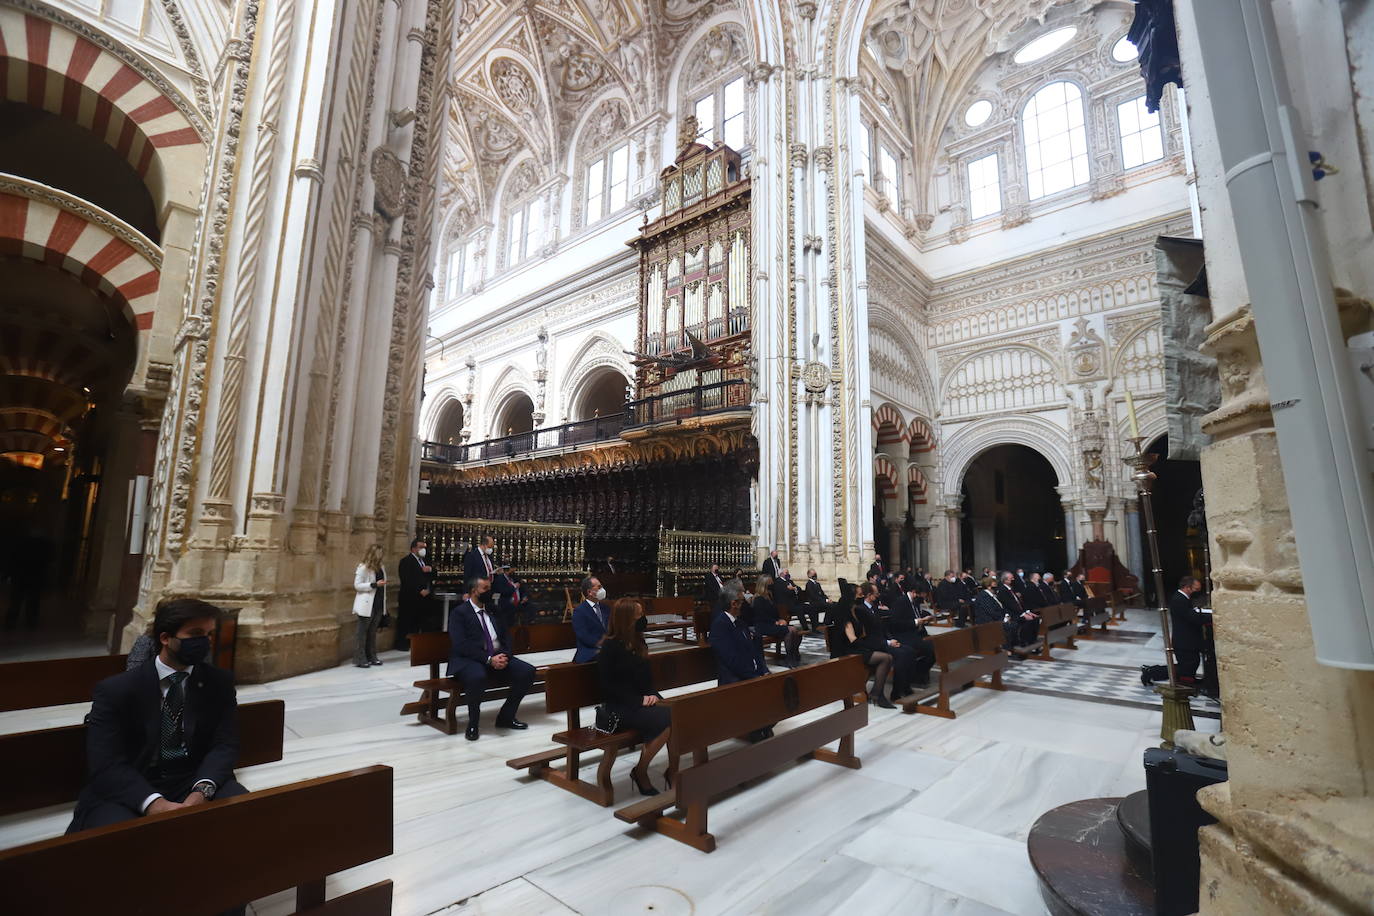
(1013,598)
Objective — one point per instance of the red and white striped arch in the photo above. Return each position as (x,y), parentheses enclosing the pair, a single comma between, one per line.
(885,477)
(50,67)
(921,436)
(888,426)
(42,225)
(916,484)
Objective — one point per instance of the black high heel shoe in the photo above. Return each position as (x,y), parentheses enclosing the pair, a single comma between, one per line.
(645,787)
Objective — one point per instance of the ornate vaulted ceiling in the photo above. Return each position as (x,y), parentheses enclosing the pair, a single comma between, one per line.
(525,73)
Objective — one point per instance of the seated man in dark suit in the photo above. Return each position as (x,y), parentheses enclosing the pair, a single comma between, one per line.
(906,623)
(162,736)
(788,600)
(952,597)
(814,599)
(1032,598)
(481,651)
(739,652)
(589,620)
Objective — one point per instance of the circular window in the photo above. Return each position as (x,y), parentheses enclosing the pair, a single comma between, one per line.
(978,113)
(1124,50)
(1044,46)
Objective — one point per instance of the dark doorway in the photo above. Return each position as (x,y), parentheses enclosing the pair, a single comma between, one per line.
(1181,546)
(1012,514)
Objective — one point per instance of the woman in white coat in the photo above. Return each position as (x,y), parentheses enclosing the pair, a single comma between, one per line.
(369,581)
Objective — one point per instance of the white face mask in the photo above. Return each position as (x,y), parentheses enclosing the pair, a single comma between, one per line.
(421,552)
(600,594)
(486,550)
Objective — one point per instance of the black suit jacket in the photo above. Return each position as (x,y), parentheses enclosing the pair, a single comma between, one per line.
(1010,601)
(1186,623)
(465,635)
(1031,597)
(739,655)
(901,620)
(711,587)
(772,567)
(815,595)
(986,608)
(413,580)
(123,733)
(474,568)
(949,594)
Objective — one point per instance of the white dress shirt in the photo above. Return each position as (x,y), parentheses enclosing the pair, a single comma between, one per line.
(165,671)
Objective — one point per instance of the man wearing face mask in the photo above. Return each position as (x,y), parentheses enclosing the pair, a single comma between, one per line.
(163,736)
(481,653)
(590,620)
(480,562)
(412,610)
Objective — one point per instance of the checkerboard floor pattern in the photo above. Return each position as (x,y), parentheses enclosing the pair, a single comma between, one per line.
(1092,681)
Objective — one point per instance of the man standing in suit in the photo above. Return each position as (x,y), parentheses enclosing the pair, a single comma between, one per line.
(1185,622)
(712,585)
(478,562)
(164,735)
(507,595)
(589,620)
(481,650)
(877,569)
(772,566)
(413,608)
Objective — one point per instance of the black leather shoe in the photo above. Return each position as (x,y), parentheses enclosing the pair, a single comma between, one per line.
(881,702)
(1145,680)
(472,732)
(512,723)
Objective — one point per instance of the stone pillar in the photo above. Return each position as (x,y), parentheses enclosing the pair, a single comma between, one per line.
(953,537)
(894,544)
(923,547)
(1071,533)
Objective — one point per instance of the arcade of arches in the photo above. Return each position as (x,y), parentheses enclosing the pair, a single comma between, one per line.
(894,276)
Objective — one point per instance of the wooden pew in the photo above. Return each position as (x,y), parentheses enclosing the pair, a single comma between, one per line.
(964,656)
(207,859)
(570,688)
(711,716)
(48,766)
(1096,613)
(1058,627)
(681,605)
(31,685)
(440,696)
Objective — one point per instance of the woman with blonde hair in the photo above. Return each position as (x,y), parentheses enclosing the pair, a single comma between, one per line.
(369,581)
(627,687)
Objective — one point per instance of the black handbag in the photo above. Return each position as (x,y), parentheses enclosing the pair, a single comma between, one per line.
(607,720)
(385,622)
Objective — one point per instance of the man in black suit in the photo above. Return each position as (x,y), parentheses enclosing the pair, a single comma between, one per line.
(507,595)
(739,651)
(712,585)
(413,608)
(786,597)
(1049,589)
(814,602)
(970,584)
(164,735)
(1024,619)
(906,623)
(1185,622)
(952,597)
(479,563)
(1032,598)
(481,651)
(877,569)
(772,566)
(1018,582)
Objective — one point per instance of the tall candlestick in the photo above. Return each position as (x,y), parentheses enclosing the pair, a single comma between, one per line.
(1130,412)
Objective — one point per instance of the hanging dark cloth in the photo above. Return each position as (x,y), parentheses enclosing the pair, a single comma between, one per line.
(1153,34)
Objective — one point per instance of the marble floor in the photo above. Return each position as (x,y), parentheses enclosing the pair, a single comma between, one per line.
(935,822)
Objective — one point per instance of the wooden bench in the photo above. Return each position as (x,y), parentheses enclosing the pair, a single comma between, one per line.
(570,688)
(681,605)
(964,656)
(709,717)
(213,857)
(1096,613)
(57,682)
(440,696)
(1058,627)
(48,766)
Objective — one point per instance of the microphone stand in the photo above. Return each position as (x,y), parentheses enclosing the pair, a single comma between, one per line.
(1177,713)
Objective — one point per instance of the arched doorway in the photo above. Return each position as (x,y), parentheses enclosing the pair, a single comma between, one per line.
(448,426)
(1181,533)
(1012,513)
(601,394)
(515,416)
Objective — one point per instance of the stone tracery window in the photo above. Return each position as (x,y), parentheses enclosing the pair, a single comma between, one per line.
(524,223)
(984,186)
(606,162)
(712,87)
(1141,138)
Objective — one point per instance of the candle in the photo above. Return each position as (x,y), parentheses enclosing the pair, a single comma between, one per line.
(1130,412)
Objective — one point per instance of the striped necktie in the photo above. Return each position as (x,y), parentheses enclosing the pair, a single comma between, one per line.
(173,744)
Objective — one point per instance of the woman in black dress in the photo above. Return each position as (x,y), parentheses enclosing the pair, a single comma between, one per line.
(861,634)
(627,689)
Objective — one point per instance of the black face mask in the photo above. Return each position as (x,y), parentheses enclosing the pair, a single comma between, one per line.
(641,624)
(192,650)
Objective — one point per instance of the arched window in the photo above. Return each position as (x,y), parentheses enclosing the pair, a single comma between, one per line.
(524,215)
(1141,140)
(605,153)
(1056,140)
(713,87)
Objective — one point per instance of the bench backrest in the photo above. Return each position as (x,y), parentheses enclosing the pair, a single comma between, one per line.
(989,638)
(709,716)
(1057,614)
(257,844)
(48,766)
(954,645)
(56,682)
(576,686)
(429,648)
(544,637)
(681,605)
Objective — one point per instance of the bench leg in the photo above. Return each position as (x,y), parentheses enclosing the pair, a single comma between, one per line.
(602,792)
(451,712)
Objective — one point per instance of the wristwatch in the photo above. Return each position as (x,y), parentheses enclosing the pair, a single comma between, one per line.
(206,788)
